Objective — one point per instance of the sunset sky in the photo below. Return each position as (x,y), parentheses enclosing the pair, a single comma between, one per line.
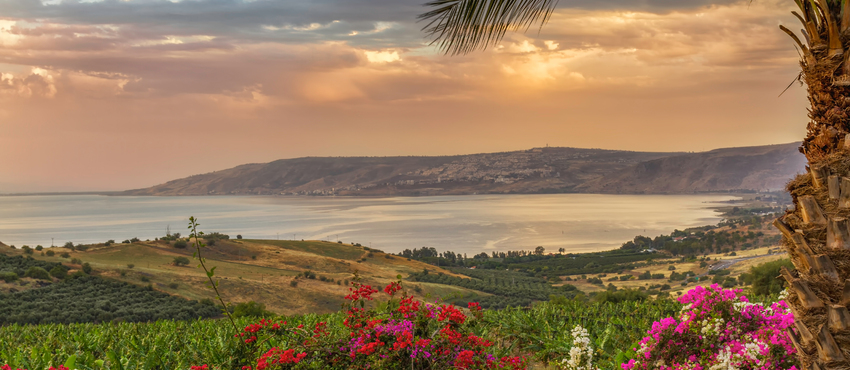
(113,95)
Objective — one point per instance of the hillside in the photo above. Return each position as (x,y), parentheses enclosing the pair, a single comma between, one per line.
(250,270)
(758,167)
(539,170)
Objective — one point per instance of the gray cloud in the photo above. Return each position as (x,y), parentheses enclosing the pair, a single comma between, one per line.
(250,21)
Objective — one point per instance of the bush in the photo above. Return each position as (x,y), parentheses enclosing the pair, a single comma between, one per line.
(58,272)
(763,277)
(134,240)
(181,244)
(251,309)
(173,285)
(82,248)
(69,245)
(145,279)
(109,242)
(723,320)
(87,268)
(180,261)
(126,241)
(50,253)
(8,276)
(65,255)
(38,248)
(293,283)
(130,265)
(238,236)
(407,326)
(27,250)
(37,273)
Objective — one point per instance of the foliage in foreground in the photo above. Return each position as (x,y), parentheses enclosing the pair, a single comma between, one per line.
(719,329)
(542,330)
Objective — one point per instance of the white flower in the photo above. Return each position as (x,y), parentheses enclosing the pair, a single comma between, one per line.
(581,353)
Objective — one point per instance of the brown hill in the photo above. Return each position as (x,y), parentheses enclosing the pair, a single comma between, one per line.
(752,168)
(538,170)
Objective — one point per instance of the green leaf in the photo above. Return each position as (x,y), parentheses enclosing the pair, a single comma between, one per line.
(114,361)
(71,363)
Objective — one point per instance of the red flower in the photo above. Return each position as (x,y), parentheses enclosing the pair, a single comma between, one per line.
(202,367)
(392,288)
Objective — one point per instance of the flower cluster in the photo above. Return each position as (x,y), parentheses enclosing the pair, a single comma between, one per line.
(718,329)
(581,353)
(403,333)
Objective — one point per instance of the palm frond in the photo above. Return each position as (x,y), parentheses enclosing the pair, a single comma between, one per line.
(462,26)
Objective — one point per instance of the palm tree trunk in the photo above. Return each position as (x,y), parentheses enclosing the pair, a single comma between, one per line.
(817,232)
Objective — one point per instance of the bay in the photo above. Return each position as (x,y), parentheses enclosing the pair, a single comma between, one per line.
(465,224)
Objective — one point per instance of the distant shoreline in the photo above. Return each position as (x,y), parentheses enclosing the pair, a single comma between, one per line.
(123,193)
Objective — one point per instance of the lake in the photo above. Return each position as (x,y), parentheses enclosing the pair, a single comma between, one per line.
(464,224)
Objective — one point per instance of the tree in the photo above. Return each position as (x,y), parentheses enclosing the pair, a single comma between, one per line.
(815,232)
(58,272)
(87,268)
(539,251)
(37,273)
(181,261)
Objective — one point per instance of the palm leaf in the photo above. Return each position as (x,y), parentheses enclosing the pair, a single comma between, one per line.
(462,26)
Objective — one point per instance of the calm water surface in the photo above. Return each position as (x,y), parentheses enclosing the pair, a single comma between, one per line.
(466,224)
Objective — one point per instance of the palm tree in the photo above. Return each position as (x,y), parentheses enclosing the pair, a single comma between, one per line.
(816,233)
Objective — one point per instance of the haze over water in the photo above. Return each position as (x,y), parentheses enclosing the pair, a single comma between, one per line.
(464,224)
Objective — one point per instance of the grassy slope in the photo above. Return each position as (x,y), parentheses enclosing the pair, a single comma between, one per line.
(265,279)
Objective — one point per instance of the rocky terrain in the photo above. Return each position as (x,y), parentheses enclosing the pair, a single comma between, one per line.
(538,170)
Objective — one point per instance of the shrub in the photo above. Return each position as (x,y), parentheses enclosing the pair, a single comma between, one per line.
(145,279)
(58,272)
(81,247)
(65,255)
(130,265)
(402,333)
(50,253)
(210,242)
(27,250)
(8,276)
(69,245)
(238,236)
(126,241)
(251,309)
(293,283)
(87,268)
(173,285)
(763,277)
(720,327)
(180,261)
(134,240)
(180,244)
(38,248)
(37,273)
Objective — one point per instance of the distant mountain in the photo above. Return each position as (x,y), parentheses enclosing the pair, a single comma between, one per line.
(754,168)
(538,170)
